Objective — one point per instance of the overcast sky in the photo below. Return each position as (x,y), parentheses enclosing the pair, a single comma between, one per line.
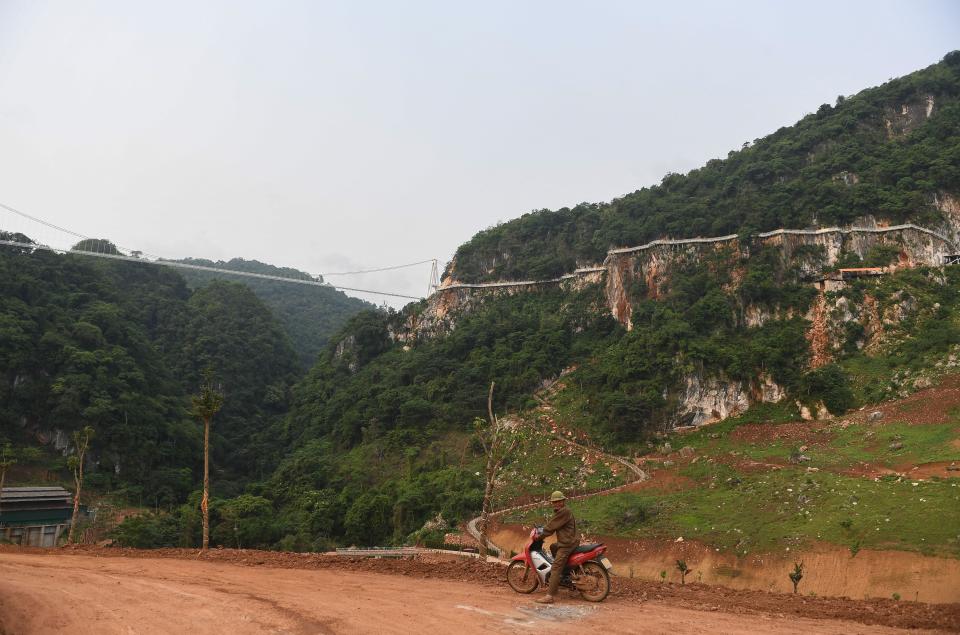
(330,136)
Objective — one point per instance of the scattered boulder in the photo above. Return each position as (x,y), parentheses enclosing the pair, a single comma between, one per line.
(876,415)
(668,464)
(896,445)
(922,382)
(813,469)
(686,451)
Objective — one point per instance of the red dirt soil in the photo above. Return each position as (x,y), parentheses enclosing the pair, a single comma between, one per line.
(831,571)
(90,590)
(938,404)
(799,433)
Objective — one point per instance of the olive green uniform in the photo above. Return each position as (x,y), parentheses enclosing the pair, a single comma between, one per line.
(565,526)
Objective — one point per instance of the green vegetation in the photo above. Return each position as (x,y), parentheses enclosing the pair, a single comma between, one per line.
(375,445)
(119,346)
(796,575)
(831,167)
(309,315)
(782,510)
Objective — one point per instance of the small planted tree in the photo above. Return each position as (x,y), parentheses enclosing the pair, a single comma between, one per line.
(796,575)
(497,447)
(683,569)
(81,442)
(205,405)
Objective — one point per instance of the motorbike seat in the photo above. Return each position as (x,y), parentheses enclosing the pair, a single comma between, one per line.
(586,548)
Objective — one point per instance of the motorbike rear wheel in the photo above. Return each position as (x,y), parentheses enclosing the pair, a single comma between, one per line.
(593,582)
(521,578)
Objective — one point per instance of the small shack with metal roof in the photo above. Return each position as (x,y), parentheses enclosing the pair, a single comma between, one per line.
(34,516)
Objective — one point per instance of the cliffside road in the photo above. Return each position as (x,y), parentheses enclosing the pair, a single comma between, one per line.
(61,592)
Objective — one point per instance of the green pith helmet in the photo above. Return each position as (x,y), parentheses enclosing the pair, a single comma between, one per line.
(557,496)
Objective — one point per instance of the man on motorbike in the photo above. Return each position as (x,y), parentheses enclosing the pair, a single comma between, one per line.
(565,526)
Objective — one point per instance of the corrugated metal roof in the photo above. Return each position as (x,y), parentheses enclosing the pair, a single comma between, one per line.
(12,494)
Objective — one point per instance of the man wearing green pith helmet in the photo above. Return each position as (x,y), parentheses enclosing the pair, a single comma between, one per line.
(565,526)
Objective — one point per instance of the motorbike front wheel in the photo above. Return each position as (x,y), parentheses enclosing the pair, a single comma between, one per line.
(593,582)
(521,578)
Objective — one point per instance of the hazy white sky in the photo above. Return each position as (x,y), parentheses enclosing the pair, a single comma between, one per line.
(343,135)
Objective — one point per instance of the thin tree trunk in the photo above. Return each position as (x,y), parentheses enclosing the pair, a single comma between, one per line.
(485,510)
(3,477)
(205,502)
(78,481)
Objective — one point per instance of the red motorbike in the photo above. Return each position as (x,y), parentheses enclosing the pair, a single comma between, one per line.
(587,569)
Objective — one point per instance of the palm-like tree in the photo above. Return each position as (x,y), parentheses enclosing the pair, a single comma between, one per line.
(205,405)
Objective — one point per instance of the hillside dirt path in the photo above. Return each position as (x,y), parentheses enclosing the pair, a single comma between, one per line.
(59,593)
(545,411)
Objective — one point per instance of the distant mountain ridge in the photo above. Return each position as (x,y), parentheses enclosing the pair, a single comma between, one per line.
(890,152)
(310,315)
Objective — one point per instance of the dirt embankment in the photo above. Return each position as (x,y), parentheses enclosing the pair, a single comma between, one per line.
(172,590)
(829,570)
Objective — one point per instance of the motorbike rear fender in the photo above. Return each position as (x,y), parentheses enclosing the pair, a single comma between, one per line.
(522,557)
(579,558)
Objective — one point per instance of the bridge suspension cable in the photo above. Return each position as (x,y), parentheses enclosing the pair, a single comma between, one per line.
(156,260)
(350,273)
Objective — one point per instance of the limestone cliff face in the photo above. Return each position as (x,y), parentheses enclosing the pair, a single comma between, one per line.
(346,352)
(949,207)
(645,272)
(453,300)
(900,121)
(709,399)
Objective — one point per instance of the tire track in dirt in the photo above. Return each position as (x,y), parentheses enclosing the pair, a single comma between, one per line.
(116,591)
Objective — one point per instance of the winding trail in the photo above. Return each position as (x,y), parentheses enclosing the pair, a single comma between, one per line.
(545,406)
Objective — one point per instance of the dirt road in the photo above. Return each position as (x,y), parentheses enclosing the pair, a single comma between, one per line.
(58,593)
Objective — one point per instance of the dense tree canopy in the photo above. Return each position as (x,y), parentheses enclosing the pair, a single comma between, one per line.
(308,314)
(119,346)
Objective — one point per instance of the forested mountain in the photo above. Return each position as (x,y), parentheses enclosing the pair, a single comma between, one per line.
(310,315)
(378,437)
(120,347)
(887,152)
(379,415)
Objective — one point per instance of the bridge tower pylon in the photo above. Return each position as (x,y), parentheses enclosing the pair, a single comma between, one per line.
(434,283)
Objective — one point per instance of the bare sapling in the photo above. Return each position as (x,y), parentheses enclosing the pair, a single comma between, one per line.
(205,405)
(497,447)
(81,443)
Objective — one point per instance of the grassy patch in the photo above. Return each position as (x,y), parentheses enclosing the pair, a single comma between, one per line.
(539,467)
(785,509)
(716,435)
(878,445)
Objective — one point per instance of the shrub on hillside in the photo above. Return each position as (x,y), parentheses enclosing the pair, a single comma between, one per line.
(831,385)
